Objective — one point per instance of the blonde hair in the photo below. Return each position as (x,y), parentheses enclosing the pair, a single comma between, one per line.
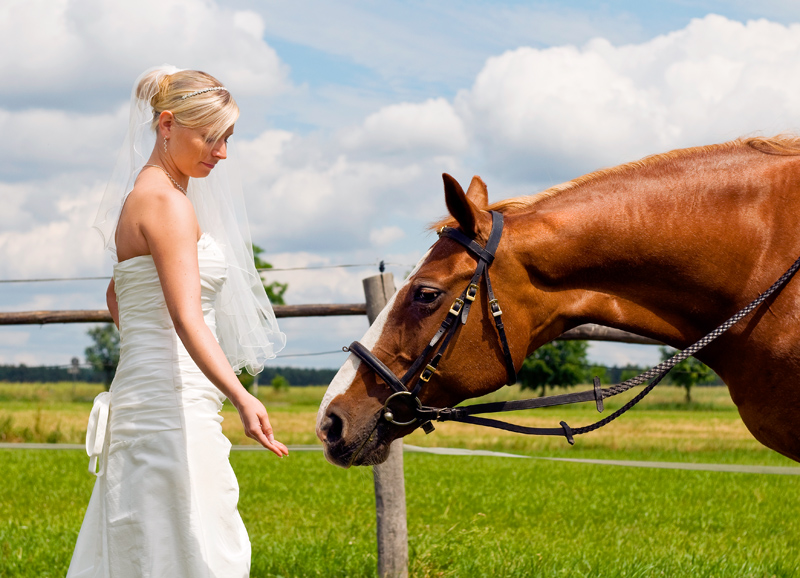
(182,93)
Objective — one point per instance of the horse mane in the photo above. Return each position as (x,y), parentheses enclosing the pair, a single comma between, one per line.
(784,145)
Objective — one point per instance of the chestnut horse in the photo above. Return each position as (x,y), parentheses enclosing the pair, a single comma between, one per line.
(668,247)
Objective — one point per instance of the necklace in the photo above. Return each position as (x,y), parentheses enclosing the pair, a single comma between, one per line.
(174,182)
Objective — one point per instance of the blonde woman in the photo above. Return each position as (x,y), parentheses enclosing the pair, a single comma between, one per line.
(192,312)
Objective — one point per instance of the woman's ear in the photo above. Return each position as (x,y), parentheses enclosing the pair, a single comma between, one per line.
(460,206)
(166,120)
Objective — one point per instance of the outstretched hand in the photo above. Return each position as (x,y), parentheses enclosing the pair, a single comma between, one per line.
(256,425)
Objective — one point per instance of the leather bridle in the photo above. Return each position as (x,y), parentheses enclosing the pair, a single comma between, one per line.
(458,314)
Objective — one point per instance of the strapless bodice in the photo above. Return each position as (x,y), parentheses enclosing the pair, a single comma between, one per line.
(141,300)
(153,362)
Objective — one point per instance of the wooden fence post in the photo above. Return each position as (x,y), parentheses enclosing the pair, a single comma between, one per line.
(254,386)
(390,487)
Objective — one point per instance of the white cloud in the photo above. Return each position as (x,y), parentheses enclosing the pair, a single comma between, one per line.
(622,354)
(430,127)
(52,47)
(566,110)
(46,141)
(315,284)
(307,194)
(249,21)
(17,338)
(386,235)
(52,235)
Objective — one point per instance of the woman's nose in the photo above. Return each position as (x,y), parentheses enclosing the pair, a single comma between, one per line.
(221,152)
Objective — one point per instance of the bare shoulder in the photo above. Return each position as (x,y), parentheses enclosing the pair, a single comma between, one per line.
(160,208)
(154,199)
(154,215)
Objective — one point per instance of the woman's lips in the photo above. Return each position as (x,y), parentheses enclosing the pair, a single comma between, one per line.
(209,165)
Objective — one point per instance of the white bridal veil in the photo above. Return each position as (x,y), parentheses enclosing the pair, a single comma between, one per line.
(246,325)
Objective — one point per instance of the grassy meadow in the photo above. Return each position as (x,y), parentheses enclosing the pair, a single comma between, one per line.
(467,515)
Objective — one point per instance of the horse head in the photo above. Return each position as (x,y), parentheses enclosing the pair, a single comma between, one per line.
(350,420)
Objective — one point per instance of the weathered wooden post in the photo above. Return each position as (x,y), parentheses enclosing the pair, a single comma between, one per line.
(390,487)
(254,386)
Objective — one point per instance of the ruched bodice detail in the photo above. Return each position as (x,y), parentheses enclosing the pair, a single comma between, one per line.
(165,500)
(141,300)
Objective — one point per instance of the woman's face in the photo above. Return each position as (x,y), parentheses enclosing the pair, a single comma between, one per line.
(194,153)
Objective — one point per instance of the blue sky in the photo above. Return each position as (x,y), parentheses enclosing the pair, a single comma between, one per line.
(350,113)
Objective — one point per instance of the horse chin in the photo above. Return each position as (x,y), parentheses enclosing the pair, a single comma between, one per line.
(368,449)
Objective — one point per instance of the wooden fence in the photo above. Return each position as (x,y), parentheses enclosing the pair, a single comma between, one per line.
(389,480)
(589,332)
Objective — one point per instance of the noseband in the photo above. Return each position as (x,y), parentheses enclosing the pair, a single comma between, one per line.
(459,312)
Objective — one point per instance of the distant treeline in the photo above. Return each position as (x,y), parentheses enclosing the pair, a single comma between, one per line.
(294,375)
(49,374)
(612,375)
(297,375)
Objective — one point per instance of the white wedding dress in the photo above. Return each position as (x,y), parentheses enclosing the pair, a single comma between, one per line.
(164,503)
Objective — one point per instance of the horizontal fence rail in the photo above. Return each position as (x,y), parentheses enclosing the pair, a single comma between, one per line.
(103,316)
(594,332)
(588,332)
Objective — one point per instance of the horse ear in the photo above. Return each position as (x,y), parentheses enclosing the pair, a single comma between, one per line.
(460,207)
(477,193)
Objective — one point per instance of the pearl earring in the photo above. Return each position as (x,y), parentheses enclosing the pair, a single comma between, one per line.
(165,145)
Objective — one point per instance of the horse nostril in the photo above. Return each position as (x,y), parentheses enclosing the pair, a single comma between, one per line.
(332,427)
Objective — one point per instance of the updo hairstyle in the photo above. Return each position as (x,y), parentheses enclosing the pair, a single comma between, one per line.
(214,110)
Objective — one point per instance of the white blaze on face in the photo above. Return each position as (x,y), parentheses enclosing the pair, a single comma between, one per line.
(347,373)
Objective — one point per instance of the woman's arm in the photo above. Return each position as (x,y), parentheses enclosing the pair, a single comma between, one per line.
(170,229)
(111,302)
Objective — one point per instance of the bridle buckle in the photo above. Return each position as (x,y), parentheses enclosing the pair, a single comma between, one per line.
(494,306)
(457,305)
(472,292)
(427,373)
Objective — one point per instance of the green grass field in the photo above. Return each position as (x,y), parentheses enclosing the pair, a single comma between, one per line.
(467,516)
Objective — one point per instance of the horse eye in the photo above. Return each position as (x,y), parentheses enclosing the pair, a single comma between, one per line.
(426,295)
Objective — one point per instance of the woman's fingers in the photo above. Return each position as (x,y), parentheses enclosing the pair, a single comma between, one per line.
(257,427)
(272,444)
(263,434)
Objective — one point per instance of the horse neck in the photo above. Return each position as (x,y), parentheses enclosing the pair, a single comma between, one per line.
(667,252)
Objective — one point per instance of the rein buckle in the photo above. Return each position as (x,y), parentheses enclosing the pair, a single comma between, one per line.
(495,308)
(427,373)
(472,292)
(457,305)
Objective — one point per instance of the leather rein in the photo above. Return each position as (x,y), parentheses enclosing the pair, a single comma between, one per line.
(405,399)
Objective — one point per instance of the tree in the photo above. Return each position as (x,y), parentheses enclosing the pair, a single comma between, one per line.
(687,373)
(280,383)
(629,372)
(600,371)
(556,364)
(274,290)
(104,354)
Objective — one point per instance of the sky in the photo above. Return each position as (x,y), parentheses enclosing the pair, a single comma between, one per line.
(351,111)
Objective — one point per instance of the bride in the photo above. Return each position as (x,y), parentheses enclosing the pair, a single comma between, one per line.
(192,312)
